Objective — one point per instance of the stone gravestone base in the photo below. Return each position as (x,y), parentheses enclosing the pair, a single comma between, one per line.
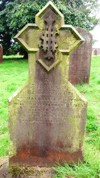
(23,172)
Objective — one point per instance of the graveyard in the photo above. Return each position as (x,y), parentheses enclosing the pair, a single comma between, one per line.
(14,74)
(50,102)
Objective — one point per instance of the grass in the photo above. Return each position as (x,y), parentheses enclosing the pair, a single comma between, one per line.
(91,166)
(13,57)
(13,74)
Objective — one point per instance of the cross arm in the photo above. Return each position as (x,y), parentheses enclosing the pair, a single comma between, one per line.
(28,37)
(69,39)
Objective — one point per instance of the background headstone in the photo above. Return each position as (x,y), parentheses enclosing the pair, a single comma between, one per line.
(47,116)
(1,53)
(80,60)
(96,51)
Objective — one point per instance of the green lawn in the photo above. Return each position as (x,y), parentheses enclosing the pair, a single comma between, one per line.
(14,73)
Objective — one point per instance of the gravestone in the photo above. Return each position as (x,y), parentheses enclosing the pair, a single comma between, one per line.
(96,51)
(80,60)
(1,53)
(47,116)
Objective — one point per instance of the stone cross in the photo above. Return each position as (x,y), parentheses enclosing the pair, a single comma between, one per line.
(47,116)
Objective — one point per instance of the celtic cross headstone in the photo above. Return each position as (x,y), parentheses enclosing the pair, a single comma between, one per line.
(47,116)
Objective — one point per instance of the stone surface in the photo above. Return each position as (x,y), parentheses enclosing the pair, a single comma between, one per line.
(47,116)
(80,60)
(34,172)
(1,53)
(96,51)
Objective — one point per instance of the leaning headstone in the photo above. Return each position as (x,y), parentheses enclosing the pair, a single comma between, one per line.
(80,60)
(1,53)
(47,116)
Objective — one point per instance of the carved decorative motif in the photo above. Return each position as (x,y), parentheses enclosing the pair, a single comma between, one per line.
(48,37)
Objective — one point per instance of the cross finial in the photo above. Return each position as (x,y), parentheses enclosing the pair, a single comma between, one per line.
(50,37)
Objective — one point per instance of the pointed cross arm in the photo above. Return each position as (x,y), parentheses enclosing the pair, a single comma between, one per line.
(29,37)
(69,39)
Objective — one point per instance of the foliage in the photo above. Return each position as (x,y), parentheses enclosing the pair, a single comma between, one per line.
(13,72)
(14,14)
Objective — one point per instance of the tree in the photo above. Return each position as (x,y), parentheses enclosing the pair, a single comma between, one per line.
(14,14)
(3,3)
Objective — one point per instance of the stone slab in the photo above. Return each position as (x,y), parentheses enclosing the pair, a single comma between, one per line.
(80,60)
(35,172)
(47,116)
(96,51)
(45,135)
